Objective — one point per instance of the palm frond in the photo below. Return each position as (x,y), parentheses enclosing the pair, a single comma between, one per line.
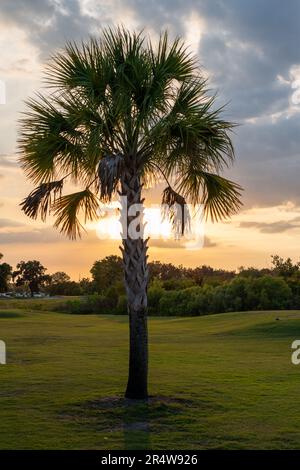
(220,197)
(192,130)
(39,201)
(49,140)
(67,208)
(86,69)
(172,61)
(176,210)
(110,170)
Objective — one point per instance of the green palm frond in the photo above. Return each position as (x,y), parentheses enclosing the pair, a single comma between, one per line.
(220,197)
(67,208)
(86,69)
(192,130)
(172,61)
(50,140)
(39,201)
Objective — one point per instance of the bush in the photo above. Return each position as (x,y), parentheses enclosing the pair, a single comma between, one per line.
(93,304)
(239,294)
(65,288)
(269,293)
(294,286)
(77,307)
(121,308)
(178,284)
(200,301)
(155,292)
(179,302)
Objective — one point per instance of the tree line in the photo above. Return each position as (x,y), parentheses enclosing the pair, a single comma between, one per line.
(30,276)
(173,290)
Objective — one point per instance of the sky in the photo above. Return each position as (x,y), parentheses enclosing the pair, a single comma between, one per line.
(248,49)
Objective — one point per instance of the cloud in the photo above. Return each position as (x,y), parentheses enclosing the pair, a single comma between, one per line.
(51,23)
(8,161)
(178,244)
(248,48)
(273,227)
(268,162)
(244,45)
(7,223)
(42,236)
(208,243)
(47,235)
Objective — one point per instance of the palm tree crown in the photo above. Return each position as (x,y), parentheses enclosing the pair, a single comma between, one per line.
(118,103)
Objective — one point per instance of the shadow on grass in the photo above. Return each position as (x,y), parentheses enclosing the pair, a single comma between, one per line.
(136,425)
(278,328)
(135,420)
(11,315)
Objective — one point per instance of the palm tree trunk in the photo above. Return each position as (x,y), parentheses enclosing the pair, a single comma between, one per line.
(136,279)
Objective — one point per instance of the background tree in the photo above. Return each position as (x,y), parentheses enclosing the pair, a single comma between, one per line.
(107,272)
(87,286)
(5,275)
(120,114)
(61,284)
(166,271)
(59,277)
(31,273)
(285,267)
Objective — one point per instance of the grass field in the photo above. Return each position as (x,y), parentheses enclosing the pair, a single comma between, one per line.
(218,382)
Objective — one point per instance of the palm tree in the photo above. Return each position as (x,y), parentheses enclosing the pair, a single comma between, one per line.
(117,113)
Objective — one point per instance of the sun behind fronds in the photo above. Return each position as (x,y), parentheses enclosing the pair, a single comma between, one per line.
(116,103)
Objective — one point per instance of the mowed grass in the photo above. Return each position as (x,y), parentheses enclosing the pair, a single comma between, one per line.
(217,382)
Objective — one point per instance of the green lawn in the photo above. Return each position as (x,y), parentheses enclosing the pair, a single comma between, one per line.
(218,382)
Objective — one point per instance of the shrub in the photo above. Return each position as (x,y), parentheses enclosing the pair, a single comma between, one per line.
(178,302)
(93,304)
(239,294)
(294,286)
(121,308)
(155,292)
(270,293)
(178,284)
